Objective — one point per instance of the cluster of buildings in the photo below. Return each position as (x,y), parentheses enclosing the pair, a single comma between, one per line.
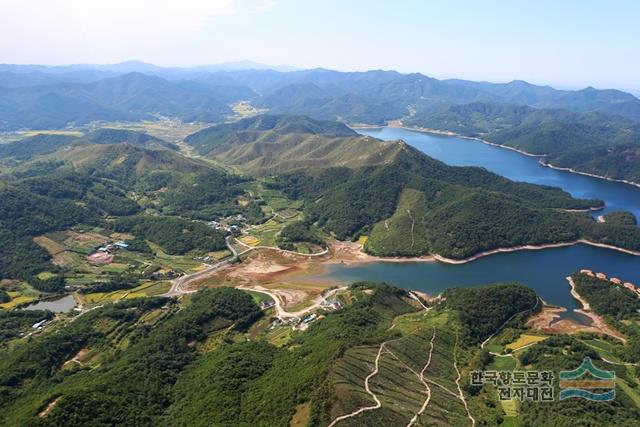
(613,280)
(310,318)
(332,305)
(222,224)
(110,247)
(293,321)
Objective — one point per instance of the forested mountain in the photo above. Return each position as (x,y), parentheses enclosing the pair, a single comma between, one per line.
(593,131)
(120,136)
(407,202)
(415,205)
(41,144)
(127,97)
(587,142)
(36,145)
(281,143)
(169,375)
(158,361)
(40,97)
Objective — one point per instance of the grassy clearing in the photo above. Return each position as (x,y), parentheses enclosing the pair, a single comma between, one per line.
(250,240)
(302,415)
(50,245)
(604,348)
(258,297)
(510,408)
(631,392)
(46,275)
(506,363)
(218,255)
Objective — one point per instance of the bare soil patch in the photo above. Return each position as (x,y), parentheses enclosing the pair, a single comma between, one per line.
(100,258)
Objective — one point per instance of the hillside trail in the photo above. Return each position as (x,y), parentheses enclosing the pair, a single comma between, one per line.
(366,387)
(460,393)
(422,380)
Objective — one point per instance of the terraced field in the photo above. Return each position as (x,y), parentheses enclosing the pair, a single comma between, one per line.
(410,380)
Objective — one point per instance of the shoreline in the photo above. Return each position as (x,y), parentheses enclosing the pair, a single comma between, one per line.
(577,296)
(597,321)
(356,254)
(440,258)
(558,168)
(517,150)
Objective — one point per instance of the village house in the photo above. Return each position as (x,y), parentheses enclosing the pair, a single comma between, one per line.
(264,304)
(615,281)
(587,272)
(601,276)
(121,245)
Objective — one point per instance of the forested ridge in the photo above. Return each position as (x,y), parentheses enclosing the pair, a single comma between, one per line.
(415,205)
(605,145)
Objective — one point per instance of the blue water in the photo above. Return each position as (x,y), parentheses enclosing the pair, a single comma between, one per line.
(515,166)
(542,270)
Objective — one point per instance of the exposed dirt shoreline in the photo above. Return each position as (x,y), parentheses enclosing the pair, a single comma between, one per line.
(359,256)
(597,322)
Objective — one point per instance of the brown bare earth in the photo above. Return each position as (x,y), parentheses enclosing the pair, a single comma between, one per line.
(284,274)
(84,238)
(352,253)
(546,321)
(293,277)
(100,258)
(49,407)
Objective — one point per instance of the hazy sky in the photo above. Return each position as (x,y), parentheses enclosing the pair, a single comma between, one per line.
(561,42)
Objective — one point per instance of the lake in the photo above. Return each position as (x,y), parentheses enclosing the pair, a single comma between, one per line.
(542,270)
(58,305)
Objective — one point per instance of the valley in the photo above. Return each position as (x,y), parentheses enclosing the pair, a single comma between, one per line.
(247,257)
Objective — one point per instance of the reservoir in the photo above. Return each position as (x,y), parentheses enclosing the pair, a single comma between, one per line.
(59,305)
(542,270)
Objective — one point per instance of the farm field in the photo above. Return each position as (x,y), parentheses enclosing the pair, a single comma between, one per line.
(244,109)
(524,340)
(20,294)
(70,248)
(398,383)
(144,290)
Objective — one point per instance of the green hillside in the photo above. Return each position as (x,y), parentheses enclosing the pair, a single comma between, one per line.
(36,145)
(159,361)
(121,136)
(153,352)
(270,144)
(587,142)
(415,205)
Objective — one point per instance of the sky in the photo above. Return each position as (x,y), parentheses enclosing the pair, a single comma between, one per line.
(565,43)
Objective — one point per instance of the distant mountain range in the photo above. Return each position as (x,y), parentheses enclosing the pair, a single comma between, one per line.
(561,124)
(75,94)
